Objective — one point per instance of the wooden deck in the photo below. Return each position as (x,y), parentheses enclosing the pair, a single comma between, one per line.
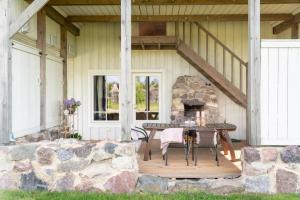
(177,167)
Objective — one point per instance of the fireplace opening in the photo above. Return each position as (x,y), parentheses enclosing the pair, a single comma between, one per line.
(191,107)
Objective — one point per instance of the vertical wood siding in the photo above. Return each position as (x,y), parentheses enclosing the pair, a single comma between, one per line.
(280,97)
(98,48)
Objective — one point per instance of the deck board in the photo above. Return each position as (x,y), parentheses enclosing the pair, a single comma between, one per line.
(177,167)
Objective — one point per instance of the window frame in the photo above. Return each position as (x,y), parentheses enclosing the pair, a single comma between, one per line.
(161,85)
(93,122)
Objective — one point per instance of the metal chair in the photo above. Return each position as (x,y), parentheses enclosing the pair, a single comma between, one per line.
(138,133)
(208,139)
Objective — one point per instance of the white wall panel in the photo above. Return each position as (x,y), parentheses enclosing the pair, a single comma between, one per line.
(25,90)
(54,91)
(280,95)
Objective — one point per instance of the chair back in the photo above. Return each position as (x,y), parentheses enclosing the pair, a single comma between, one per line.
(208,138)
(138,133)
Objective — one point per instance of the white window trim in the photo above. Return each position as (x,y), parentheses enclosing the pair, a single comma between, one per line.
(92,73)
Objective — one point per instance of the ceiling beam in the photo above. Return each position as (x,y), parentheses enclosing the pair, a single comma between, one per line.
(172,18)
(295,19)
(60,19)
(166,2)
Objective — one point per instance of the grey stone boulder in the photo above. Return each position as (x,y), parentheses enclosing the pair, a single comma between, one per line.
(69,166)
(290,154)
(251,154)
(23,166)
(31,182)
(65,154)
(45,155)
(148,183)
(65,183)
(83,151)
(124,182)
(21,152)
(286,182)
(101,154)
(110,147)
(257,184)
(9,181)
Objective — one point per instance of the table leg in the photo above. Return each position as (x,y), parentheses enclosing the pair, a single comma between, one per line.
(148,145)
(229,145)
(224,144)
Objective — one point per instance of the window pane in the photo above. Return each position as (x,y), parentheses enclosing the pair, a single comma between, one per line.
(140,88)
(99,97)
(106,97)
(154,94)
(113,93)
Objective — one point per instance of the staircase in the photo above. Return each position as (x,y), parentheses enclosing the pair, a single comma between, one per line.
(206,54)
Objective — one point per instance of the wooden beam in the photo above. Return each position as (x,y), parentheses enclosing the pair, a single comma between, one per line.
(253,82)
(126,84)
(60,19)
(42,45)
(165,2)
(295,31)
(26,15)
(295,19)
(176,18)
(5,73)
(64,55)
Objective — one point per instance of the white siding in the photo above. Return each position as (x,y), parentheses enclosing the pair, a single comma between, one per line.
(25,90)
(54,92)
(280,97)
(98,48)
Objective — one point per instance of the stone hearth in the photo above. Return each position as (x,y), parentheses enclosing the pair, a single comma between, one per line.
(193,89)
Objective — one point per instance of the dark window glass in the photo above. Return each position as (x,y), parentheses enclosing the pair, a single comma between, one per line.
(106,98)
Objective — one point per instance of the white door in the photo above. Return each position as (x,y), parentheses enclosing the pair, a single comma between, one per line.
(147,98)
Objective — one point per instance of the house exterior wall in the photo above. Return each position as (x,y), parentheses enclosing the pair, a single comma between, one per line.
(26,76)
(98,51)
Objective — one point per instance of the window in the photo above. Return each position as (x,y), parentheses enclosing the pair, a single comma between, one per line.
(147,97)
(106,98)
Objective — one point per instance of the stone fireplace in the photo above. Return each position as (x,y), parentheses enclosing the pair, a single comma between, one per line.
(191,94)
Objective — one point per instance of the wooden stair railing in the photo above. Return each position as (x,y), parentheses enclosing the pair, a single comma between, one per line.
(204,43)
(197,51)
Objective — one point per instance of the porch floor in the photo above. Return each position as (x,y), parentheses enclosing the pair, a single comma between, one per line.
(177,168)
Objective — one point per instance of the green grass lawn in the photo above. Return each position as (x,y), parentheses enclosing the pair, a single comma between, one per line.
(105,196)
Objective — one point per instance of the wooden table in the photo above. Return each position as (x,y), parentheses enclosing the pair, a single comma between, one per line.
(222,128)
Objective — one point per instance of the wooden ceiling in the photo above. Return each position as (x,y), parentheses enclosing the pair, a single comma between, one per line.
(166,2)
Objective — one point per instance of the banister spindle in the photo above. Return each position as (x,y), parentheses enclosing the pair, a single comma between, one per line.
(176,29)
(224,63)
(215,56)
(183,35)
(199,41)
(241,76)
(206,47)
(232,69)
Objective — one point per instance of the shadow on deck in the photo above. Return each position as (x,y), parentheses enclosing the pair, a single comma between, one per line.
(177,168)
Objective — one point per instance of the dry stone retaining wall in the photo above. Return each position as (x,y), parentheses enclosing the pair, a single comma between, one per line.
(72,165)
(271,169)
(69,165)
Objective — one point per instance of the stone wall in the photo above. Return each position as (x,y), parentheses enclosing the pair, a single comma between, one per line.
(271,169)
(69,165)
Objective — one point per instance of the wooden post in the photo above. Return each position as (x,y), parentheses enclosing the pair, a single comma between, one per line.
(295,31)
(253,92)
(126,84)
(5,73)
(64,55)
(41,44)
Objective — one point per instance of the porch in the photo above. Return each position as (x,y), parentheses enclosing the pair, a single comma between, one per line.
(177,166)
